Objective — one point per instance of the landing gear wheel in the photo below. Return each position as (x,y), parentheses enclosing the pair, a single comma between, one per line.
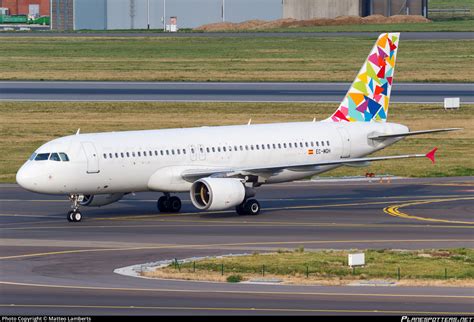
(248,207)
(169,204)
(77,216)
(240,210)
(163,204)
(252,207)
(74,216)
(174,204)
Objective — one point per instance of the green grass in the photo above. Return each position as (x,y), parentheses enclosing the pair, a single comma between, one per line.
(225,59)
(24,126)
(420,264)
(435,26)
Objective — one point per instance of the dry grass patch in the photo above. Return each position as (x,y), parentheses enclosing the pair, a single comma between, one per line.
(451,267)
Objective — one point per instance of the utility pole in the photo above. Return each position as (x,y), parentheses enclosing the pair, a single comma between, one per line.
(223,10)
(164,15)
(148,14)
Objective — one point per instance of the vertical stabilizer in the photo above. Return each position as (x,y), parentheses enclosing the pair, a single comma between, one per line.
(368,98)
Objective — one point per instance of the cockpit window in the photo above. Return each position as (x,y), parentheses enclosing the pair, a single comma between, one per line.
(42,157)
(63,156)
(54,157)
(33,156)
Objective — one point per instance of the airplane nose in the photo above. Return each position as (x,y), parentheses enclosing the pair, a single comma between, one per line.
(24,178)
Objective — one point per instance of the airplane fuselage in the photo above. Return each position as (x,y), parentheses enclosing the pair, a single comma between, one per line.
(153,160)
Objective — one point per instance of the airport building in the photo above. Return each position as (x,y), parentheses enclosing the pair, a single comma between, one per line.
(144,14)
(308,9)
(34,8)
(149,14)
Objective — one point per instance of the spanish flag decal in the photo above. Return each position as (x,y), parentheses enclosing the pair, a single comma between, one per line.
(310,151)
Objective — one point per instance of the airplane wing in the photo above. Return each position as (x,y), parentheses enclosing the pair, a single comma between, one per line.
(387,136)
(192,175)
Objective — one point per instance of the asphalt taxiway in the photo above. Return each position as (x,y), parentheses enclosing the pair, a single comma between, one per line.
(229,92)
(50,266)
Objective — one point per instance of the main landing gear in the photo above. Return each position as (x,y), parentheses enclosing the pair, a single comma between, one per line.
(248,207)
(167,203)
(74,215)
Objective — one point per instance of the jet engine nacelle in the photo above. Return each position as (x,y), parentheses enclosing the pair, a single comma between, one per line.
(218,193)
(100,200)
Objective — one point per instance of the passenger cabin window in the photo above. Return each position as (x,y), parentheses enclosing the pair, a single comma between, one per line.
(327,142)
(42,157)
(322,143)
(54,157)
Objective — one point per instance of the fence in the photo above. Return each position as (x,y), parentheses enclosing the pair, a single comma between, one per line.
(307,271)
(449,13)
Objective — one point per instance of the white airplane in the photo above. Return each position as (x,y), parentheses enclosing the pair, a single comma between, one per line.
(221,166)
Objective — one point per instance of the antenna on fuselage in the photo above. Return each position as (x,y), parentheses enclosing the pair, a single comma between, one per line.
(250,121)
(314,120)
(78,131)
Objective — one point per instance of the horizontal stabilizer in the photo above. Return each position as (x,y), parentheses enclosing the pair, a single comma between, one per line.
(388,136)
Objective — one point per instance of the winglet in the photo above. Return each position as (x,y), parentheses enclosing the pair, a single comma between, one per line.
(431,155)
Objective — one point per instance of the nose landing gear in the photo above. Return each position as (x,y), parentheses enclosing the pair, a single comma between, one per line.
(74,215)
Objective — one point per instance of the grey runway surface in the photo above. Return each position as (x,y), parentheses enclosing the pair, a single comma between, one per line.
(422,35)
(50,266)
(235,92)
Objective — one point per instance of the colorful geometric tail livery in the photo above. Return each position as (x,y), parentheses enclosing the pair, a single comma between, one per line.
(367,99)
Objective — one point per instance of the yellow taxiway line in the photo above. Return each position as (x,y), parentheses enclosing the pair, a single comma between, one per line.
(395,212)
